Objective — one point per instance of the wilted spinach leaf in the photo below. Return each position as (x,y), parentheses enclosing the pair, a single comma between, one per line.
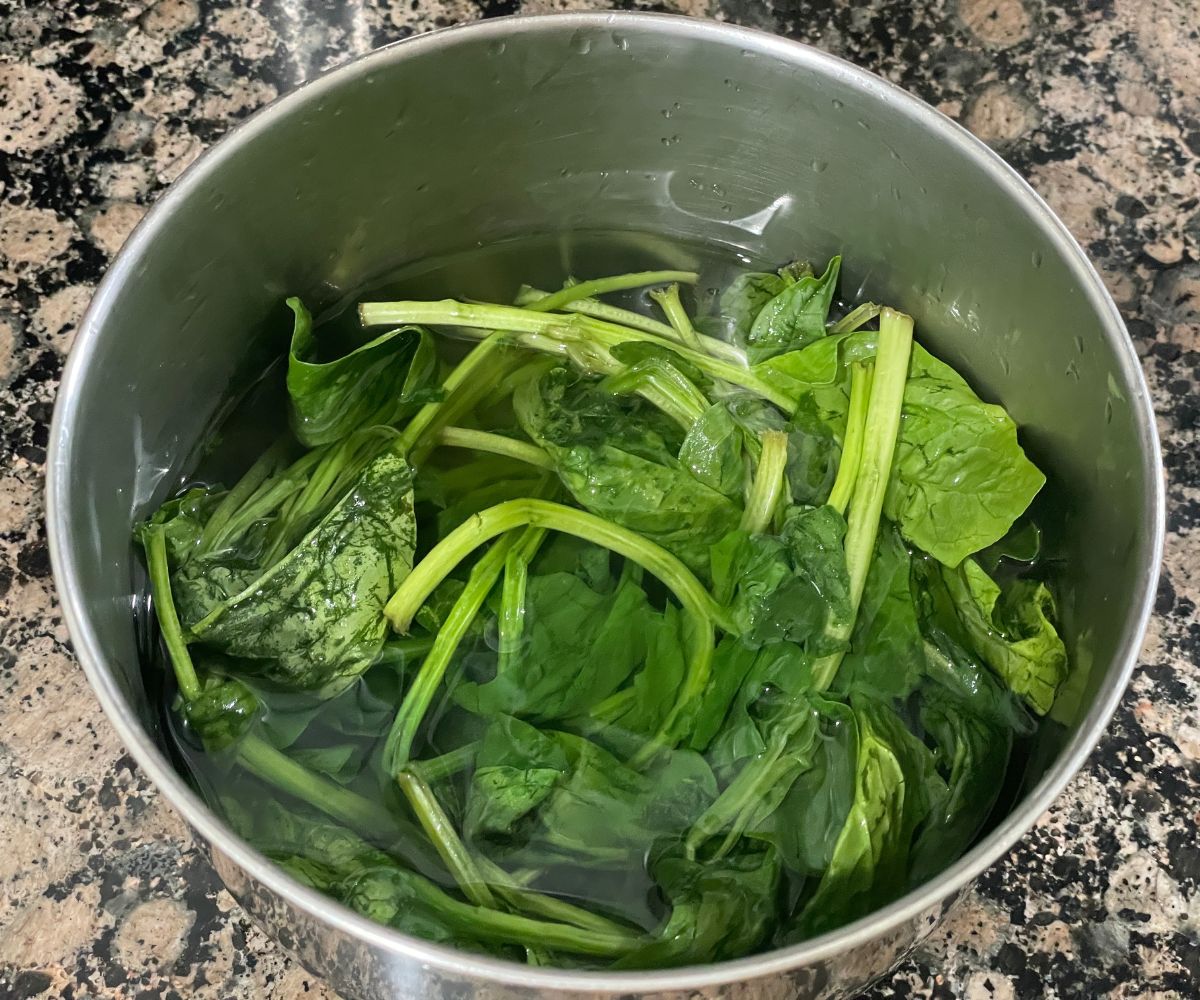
(373,384)
(635,481)
(795,317)
(719,910)
(315,619)
(579,645)
(1012,631)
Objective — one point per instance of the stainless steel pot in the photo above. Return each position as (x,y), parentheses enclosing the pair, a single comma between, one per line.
(565,124)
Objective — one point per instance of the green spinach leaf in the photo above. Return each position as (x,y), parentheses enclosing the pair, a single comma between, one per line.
(1012,631)
(315,618)
(795,317)
(376,383)
(579,646)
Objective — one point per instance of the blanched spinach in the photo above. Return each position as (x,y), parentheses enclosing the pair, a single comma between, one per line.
(613,641)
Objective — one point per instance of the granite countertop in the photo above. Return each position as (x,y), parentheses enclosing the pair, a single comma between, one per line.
(103,893)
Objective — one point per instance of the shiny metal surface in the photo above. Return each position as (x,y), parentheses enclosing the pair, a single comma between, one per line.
(674,127)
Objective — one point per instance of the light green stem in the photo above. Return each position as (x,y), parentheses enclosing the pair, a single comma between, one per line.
(541,905)
(268,464)
(635,320)
(445,839)
(563,329)
(856,421)
(735,806)
(768,483)
(487,524)
(663,385)
(464,386)
(855,318)
(497,444)
(512,598)
(273,766)
(494,925)
(155,542)
(419,696)
(668,300)
(879,444)
(616,283)
(446,765)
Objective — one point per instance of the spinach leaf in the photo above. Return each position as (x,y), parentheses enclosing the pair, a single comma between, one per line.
(376,383)
(315,619)
(713,452)
(959,479)
(805,827)
(795,317)
(579,645)
(745,298)
(655,686)
(516,767)
(814,455)
(719,910)
(789,588)
(896,787)
(223,712)
(600,812)
(774,687)
(563,409)
(972,757)
(628,475)
(732,661)
(1012,631)
(886,658)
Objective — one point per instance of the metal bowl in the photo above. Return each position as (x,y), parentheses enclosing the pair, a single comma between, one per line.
(680,130)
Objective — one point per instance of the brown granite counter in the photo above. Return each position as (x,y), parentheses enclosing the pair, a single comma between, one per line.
(102,103)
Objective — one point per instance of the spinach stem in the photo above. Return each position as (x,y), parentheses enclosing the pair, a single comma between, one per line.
(663,385)
(512,597)
(404,649)
(541,905)
(420,694)
(273,766)
(735,807)
(464,386)
(445,839)
(563,329)
(856,419)
(627,317)
(495,925)
(497,444)
(155,542)
(768,483)
(881,428)
(855,318)
(445,765)
(669,302)
(493,521)
(267,466)
(528,296)
(615,283)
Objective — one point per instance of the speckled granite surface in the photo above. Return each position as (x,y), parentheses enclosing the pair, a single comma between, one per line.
(102,103)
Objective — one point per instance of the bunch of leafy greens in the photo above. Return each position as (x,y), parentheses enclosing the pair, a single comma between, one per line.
(619,640)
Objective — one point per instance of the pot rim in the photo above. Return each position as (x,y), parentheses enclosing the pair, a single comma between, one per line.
(325,910)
